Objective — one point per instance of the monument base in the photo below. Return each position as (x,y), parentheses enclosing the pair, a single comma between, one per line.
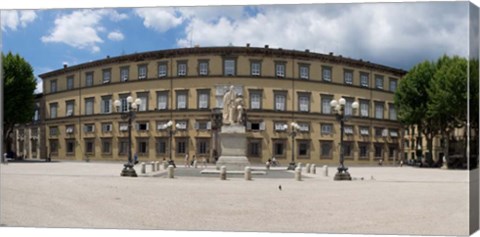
(233,142)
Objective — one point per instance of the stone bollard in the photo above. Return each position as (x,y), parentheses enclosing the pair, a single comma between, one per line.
(307,167)
(299,164)
(298,174)
(325,170)
(313,169)
(165,165)
(170,172)
(195,164)
(157,164)
(153,166)
(248,173)
(223,173)
(143,167)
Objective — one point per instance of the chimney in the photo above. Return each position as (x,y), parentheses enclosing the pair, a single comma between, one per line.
(65,65)
(108,56)
(248,45)
(331,53)
(266,46)
(279,48)
(307,50)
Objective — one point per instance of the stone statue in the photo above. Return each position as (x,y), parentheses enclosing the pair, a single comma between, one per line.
(239,107)
(229,106)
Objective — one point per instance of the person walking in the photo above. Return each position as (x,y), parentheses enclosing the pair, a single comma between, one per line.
(187,164)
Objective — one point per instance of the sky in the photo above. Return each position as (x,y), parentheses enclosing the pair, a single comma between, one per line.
(398,35)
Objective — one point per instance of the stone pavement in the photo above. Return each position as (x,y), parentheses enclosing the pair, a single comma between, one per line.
(389,200)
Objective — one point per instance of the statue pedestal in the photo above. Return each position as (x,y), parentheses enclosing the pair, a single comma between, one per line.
(233,142)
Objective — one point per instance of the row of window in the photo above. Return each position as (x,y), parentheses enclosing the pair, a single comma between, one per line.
(279,147)
(203,102)
(278,126)
(229,69)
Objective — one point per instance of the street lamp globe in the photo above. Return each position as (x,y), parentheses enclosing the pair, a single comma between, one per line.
(138,101)
(169,124)
(333,103)
(117,103)
(355,105)
(342,101)
(129,99)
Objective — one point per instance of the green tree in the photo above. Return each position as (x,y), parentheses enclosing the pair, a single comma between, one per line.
(447,107)
(19,87)
(411,99)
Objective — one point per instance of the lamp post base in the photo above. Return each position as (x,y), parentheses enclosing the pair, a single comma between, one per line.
(342,174)
(291,166)
(128,171)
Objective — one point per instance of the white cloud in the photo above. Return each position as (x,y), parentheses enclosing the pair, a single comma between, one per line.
(159,19)
(115,36)
(80,29)
(393,33)
(12,19)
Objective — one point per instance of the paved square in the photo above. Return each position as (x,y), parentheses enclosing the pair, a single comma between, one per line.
(389,200)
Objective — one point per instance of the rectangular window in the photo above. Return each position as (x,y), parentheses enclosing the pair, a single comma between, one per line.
(304,102)
(303,148)
(162,100)
(182,125)
(162,125)
(304,71)
(144,101)
(393,133)
(392,112)
(182,100)
(364,110)
(326,149)
(256,125)
(89,128)
(70,143)
(378,150)
(280,99)
(123,127)
(142,146)
(378,82)
(122,146)
(89,79)
(203,68)
(392,151)
(162,70)
(255,68)
(280,69)
(107,74)
(348,106)
(363,147)
(69,129)
(326,73)
(54,131)
(53,110)
(89,146)
(53,86)
(364,131)
(106,146)
(364,79)
(229,67)
(378,110)
(326,108)
(393,84)
(70,81)
(203,125)
(70,106)
(348,77)
(304,127)
(203,99)
(54,146)
(142,71)
(378,132)
(255,99)
(161,146)
(348,130)
(181,68)
(280,126)
(279,147)
(89,103)
(182,146)
(347,149)
(106,106)
(142,126)
(124,73)
(107,127)
(124,107)
(203,146)
(254,147)
(327,129)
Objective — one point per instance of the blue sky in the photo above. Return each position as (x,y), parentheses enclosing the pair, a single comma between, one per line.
(394,34)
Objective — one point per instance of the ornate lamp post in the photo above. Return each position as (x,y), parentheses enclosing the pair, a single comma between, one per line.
(132,107)
(293,134)
(339,109)
(170,138)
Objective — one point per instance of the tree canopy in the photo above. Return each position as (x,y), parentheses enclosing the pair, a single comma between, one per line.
(19,87)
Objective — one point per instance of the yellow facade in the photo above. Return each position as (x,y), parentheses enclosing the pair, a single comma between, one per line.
(74,140)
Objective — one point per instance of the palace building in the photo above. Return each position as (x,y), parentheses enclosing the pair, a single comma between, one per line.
(186,86)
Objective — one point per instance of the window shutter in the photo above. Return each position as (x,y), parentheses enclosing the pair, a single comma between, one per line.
(147,125)
(209,125)
(249,125)
(137,126)
(197,126)
(262,126)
